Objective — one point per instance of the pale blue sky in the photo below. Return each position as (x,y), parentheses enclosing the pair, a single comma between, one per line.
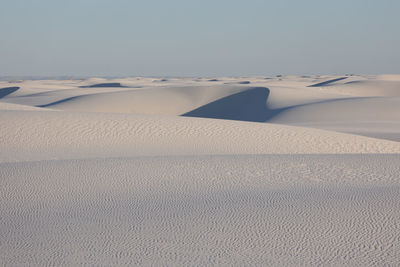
(198,38)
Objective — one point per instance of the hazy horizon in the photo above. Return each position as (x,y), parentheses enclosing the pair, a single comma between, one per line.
(189,38)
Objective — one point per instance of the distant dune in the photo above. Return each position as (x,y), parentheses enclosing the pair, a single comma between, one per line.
(102,85)
(326,83)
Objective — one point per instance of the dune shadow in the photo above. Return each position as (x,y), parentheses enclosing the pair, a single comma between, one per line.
(7,91)
(99,85)
(327,82)
(58,102)
(250,105)
(353,82)
(242,82)
(160,81)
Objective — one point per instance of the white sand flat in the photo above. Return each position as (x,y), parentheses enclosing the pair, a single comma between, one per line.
(202,210)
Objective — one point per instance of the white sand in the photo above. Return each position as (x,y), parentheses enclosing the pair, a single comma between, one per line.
(112,175)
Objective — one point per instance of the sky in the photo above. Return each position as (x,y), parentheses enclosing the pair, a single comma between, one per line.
(198,37)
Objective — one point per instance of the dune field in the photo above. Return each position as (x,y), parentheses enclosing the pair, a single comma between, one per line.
(284,171)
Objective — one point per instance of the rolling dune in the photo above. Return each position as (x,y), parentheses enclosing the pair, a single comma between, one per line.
(164,100)
(37,135)
(377,117)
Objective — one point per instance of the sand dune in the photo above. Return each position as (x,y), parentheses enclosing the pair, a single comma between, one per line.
(385,85)
(29,135)
(163,101)
(249,105)
(200,171)
(371,116)
(9,106)
(102,85)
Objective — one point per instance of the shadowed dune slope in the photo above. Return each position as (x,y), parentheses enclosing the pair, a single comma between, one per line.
(249,105)
(8,90)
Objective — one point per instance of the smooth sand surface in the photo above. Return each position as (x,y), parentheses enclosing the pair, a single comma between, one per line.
(200,171)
